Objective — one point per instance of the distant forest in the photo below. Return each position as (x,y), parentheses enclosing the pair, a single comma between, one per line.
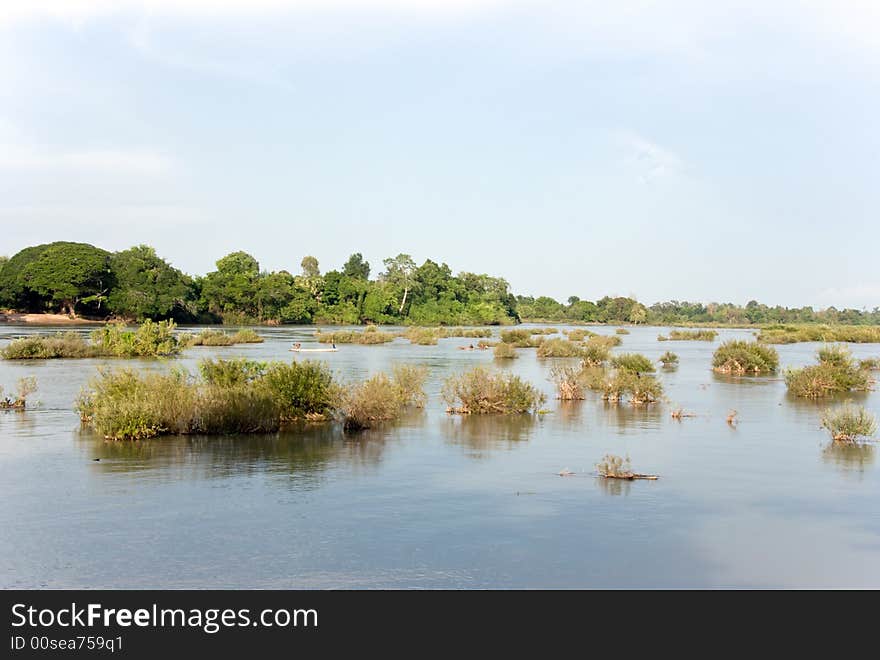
(136,284)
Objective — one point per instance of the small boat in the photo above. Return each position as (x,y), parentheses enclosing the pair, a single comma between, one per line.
(314,350)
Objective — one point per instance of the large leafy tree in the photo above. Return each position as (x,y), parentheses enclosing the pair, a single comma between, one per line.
(356,267)
(231,288)
(70,277)
(400,272)
(147,286)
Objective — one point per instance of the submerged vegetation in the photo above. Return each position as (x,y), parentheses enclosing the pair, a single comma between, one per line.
(616,467)
(836,372)
(18,401)
(558,347)
(481,391)
(117,340)
(849,423)
(232,396)
(736,357)
(112,340)
(690,335)
(218,338)
(381,398)
(669,360)
(505,351)
(370,335)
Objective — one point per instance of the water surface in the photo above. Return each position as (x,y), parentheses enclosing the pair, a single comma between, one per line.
(440,501)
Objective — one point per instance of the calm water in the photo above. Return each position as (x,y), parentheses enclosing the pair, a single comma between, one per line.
(437,501)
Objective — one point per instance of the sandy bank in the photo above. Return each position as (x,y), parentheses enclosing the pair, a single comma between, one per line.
(44,319)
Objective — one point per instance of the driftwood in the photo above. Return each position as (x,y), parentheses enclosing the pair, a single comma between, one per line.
(630,476)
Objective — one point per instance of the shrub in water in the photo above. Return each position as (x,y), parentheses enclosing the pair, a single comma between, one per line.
(505,351)
(302,389)
(26,386)
(519,338)
(640,389)
(836,372)
(669,359)
(558,347)
(578,334)
(848,423)
(635,362)
(622,331)
(60,345)
(480,391)
(789,334)
(738,357)
(692,335)
(568,383)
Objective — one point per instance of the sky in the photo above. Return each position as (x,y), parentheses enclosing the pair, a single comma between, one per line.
(682,149)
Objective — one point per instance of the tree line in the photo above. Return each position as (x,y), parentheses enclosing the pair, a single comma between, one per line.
(137,284)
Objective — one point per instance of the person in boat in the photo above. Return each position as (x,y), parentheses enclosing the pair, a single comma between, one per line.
(297,346)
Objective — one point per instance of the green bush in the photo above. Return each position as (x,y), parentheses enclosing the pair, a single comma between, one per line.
(422,336)
(608,341)
(848,423)
(578,334)
(60,345)
(640,389)
(517,337)
(836,372)
(558,347)
(480,391)
(635,362)
(505,351)
(692,335)
(621,331)
(374,336)
(595,354)
(738,357)
(302,390)
(232,396)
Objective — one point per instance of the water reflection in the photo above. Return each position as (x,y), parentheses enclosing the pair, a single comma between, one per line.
(615,487)
(301,452)
(624,417)
(849,458)
(480,434)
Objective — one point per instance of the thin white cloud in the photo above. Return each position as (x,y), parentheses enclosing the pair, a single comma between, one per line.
(80,11)
(104,161)
(650,160)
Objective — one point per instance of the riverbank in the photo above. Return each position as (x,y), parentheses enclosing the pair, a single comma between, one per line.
(45,319)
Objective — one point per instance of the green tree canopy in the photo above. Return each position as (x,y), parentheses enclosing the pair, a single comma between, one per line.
(148,287)
(356,267)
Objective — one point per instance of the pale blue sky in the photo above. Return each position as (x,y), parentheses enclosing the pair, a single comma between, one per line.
(679,149)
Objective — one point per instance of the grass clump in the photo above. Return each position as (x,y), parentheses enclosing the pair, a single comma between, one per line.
(422,336)
(634,362)
(669,360)
(595,354)
(737,357)
(381,398)
(60,345)
(608,341)
(544,331)
(790,334)
(836,372)
(558,347)
(870,364)
(578,334)
(112,340)
(623,383)
(505,351)
(370,336)
(849,423)
(518,338)
(481,391)
(230,396)
(621,331)
(692,335)
(24,388)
